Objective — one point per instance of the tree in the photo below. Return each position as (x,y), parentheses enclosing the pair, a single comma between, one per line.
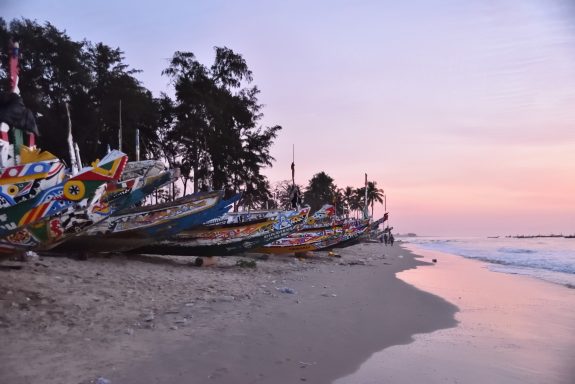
(374,194)
(320,191)
(339,201)
(218,122)
(358,201)
(281,194)
(347,197)
(91,78)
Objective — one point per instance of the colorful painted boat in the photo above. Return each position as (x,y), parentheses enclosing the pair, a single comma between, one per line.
(36,172)
(24,171)
(229,239)
(304,241)
(353,230)
(137,227)
(51,201)
(51,231)
(340,234)
(129,192)
(323,218)
(54,226)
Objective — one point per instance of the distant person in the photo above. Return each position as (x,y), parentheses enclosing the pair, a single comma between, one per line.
(391,239)
(385,238)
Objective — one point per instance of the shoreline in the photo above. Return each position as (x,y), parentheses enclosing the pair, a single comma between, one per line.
(512,329)
(158,320)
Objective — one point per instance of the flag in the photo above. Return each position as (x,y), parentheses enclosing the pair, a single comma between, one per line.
(293,171)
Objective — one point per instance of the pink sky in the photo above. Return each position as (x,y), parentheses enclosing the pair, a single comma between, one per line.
(462,111)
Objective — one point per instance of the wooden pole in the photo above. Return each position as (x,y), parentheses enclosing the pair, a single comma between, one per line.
(137,145)
(120,125)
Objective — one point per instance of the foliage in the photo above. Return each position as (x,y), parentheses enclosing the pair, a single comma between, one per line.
(320,191)
(281,194)
(374,194)
(92,78)
(216,120)
(211,131)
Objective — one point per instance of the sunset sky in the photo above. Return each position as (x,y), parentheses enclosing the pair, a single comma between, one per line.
(463,111)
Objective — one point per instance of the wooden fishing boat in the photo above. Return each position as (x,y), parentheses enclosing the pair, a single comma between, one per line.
(303,241)
(52,226)
(353,230)
(322,219)
(340,234)
(229,239)
(129,192)
(36,172)
(81,187)
(53,230)
(24,170)
(137,227)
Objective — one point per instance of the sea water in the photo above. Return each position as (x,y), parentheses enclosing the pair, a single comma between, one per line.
(548,258)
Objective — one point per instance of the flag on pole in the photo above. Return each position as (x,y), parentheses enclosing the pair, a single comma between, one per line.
(293,172)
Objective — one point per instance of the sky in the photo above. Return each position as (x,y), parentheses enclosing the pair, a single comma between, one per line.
(462,111)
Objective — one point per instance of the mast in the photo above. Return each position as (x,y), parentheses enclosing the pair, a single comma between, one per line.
(73,161)
(137,145)
(365,210)
(293,165)
(120,124)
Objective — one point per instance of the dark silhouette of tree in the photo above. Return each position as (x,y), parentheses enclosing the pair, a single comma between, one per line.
(320,191)
(347,197)
(212,130)
(359,201)
(374,194)
(91,78)
(338,201)
(217,120)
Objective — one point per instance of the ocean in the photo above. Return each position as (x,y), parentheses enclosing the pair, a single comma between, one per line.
(547,258)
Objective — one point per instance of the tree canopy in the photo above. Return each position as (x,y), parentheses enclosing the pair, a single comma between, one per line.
(216,118)
(212,129)
(319,191)
(91,78)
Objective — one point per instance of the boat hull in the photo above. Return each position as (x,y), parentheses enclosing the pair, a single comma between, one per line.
(146,225)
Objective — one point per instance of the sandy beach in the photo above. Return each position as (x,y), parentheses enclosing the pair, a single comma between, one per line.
(357,318)
(145,319)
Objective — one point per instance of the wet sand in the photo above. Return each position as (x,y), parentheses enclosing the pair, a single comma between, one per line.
(159,320)
(512,329)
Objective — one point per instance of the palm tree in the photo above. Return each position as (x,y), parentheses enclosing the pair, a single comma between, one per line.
(356,201)
(338,201)
(374,194)
(347,195)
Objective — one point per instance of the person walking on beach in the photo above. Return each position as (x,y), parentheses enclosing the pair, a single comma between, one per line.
(385,238)
(391,239)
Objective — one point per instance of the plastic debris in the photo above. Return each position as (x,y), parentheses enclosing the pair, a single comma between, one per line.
(101,380)
(286,290)
(31,256)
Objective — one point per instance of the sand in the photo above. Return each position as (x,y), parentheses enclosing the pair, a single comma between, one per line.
(143,319)
(376,314)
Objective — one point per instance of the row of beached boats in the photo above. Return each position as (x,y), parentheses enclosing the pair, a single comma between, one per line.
(45,205)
